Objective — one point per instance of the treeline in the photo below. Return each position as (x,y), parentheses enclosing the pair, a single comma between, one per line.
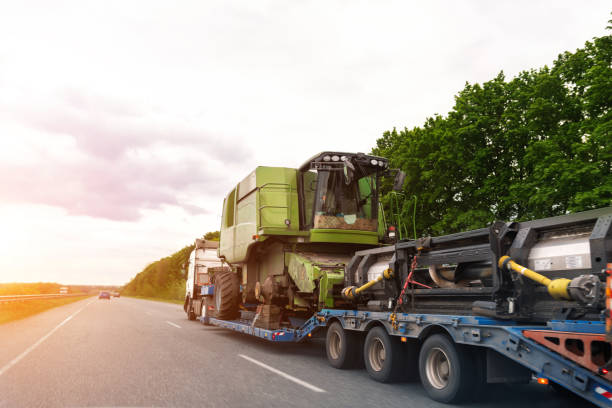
(537,145)
(44,288)
(37,288)
(164,279)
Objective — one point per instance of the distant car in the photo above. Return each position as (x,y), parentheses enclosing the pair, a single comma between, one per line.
(104,295)
(116,294)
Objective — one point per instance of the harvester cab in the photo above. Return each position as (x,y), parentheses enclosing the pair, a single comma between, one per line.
(339,197)
(288,234)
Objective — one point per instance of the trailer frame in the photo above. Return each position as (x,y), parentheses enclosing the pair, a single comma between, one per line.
(504,337)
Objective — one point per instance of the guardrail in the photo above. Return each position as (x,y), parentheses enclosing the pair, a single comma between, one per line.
(24,298)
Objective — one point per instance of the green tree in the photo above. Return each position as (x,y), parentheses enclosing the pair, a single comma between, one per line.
(163,279)
(537,145)
(212,236)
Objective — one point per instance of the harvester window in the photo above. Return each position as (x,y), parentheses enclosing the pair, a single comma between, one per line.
(339,205)
(309,183)
(228,209)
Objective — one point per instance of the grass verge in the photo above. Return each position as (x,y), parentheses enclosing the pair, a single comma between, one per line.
(20,310)
(177,302)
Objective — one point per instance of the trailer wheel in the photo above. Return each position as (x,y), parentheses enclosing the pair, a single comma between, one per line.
(343,347)
(384,355)
(446,370)
(227,295)
(190,313)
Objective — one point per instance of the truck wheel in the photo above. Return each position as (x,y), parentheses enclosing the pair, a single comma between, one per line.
(446,370)
(186,303)
(343,347)
(227,296)
(190,313)
(384,355)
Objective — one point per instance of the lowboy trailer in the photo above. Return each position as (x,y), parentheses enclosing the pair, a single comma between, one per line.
(453,354)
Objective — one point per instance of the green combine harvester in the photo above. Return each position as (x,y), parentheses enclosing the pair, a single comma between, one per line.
(289,233)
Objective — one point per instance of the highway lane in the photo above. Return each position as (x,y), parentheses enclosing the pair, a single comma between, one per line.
(130,352)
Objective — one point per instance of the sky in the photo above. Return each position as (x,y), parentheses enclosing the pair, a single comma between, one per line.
(124,123)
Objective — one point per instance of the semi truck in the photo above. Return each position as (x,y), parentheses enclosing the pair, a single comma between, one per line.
(202,265)
(307,251)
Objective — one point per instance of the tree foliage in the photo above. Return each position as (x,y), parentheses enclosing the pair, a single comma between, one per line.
(166,277)
(534,146)
(212,236)
(163,279)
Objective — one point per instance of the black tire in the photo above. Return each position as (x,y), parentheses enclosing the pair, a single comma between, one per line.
(190,313)
(384,355)
(410,371)
(227,296)
(562,391)
(343,347)
(446,369)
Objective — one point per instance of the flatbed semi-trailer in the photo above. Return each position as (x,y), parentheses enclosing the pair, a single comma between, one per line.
(453,355)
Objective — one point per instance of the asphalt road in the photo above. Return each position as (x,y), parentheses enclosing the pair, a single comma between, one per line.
(134,353)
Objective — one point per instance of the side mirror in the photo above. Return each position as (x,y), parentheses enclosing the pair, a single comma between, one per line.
(398,183)
(349,170)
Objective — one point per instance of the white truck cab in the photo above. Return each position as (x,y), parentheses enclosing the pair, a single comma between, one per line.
(202,261)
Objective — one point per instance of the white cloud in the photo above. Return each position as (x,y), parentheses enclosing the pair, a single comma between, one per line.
(145,111)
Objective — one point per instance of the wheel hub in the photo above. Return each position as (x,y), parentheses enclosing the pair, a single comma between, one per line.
(335,345)
(438,368)
(377,355)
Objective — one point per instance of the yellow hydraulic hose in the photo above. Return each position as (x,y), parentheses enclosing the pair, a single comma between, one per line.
(352,292)
(557,288)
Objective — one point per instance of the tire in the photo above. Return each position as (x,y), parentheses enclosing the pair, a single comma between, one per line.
(227,296)
(343,347)
(384,355)
(446,369)
(190,313)
(410,370)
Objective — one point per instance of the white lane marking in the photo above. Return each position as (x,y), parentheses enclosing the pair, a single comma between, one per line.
(172,324)
(282,374)
(39,342)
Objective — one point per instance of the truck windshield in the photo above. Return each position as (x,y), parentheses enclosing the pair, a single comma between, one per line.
(338,205)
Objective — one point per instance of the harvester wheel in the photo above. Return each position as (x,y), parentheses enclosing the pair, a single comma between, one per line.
(343,347)
(227,296)
(384,355)
(446,369)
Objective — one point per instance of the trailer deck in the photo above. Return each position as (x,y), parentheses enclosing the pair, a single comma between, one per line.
(508,338)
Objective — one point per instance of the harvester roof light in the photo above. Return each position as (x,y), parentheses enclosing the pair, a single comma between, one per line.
(326,158)
(603,371)
(343,158)
(335,158)
(374,162)
(542,380)
(381,164)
